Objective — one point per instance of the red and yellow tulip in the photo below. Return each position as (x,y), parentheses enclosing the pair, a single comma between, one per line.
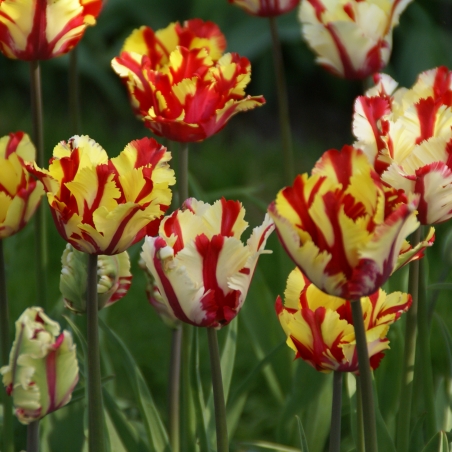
(190,93)
(352,38)
(201,268)
(407,135)
(266,8)
(43,368)
(319,327)
(19,193)
(43,29)
(103,206)
(343,227)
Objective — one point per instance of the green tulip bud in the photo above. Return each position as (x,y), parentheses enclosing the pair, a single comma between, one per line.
(43,368)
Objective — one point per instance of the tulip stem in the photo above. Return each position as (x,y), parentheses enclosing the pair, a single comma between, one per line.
(424,352)
(74,103)
(33,437)
(40,215)
(360,447)
(174,389)
(409,356)
(367,396)
(8,440)
(283,105)
(336,412)
(95,409)
(182,177)
(218,393)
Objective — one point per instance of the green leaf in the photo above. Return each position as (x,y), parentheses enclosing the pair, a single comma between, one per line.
(271,446)
(125,432)
(156,433)
(303,442)
(440,286)
(439,443)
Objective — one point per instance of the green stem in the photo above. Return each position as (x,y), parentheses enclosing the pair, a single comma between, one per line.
(409,356)
(182,177)
(218,393)
(40,215)
(8,420)
(174,389)
(425,354)
(95,410)
(74,104)
(33,437)
(360,447)
(336,413)
(188,426)
(283,105)
(367,396)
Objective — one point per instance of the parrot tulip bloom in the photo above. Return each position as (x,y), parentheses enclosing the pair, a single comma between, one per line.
(19,193)
(266,8)
(319,327)
(156,300)
(407,135)
(192,95)
(103,206)
(43,368)
(352,38)
(113,279)
(157,46)
(42,29)
(343,227)
(201,268)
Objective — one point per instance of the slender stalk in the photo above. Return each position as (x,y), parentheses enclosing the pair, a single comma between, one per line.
(283,105)
(40,215)
(33,437)
(367,396)
(360,447)
(74,103)
(174,389)
(425,354)
(8,440)
(95,409)
(409,356)
(336,412)
(218,394)
(182,177)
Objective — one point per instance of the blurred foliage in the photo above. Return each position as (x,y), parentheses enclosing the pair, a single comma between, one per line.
(242,161)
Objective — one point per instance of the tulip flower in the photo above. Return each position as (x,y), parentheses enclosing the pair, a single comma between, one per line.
(157,46)
(113,279)
(42,29)
(103,206)
(319,327)
(266,8)
(343,227)
(43,368)
(192,96)
(407,135)
(19,193)
(156,300)
(201,268)
(352,38)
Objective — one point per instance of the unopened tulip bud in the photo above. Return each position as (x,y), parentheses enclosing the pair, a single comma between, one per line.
(113,278)
(43,368)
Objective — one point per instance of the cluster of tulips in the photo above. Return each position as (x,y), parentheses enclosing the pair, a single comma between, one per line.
(344,225)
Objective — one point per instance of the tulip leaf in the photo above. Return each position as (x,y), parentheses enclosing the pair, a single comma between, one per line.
(126,433)
(440,286)
(198,398)
(439,443)
(271,446)
(303,442)
(156,433)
